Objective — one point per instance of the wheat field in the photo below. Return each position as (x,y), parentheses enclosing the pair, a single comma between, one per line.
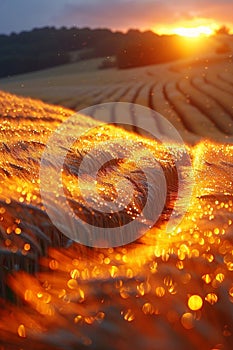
(163,291)
(195,94)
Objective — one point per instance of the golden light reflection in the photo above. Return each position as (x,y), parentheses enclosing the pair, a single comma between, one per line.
(195,302)
(22,331)
(176,279)
(147,277)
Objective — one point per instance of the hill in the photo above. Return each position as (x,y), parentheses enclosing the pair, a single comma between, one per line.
(48,47)
(194,94)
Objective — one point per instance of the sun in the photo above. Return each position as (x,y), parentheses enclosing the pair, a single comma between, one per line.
(194,32)
(197,29)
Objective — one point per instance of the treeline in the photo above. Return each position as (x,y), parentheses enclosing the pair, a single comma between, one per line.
(47,47)
(146,48)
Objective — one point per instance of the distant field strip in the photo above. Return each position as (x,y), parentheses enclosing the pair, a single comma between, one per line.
(198,106)
(196,97)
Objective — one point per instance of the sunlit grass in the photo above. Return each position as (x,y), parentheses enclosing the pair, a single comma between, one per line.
(164,285)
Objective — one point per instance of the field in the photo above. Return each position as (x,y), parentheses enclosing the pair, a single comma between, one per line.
(195,94)
(166,290)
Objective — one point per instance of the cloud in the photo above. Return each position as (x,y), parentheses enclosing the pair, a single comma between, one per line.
(122,14)
(115,14)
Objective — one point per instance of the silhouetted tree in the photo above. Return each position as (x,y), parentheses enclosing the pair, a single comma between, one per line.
(223,30)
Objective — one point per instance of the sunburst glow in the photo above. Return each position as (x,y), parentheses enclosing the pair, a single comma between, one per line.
(198,27)
(194,32)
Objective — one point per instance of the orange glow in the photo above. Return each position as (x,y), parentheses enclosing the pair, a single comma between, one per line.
(196,28)
(195,302)
(187,320)
(21,331)
(194,32)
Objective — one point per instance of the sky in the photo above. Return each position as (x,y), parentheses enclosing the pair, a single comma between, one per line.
(158,15)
